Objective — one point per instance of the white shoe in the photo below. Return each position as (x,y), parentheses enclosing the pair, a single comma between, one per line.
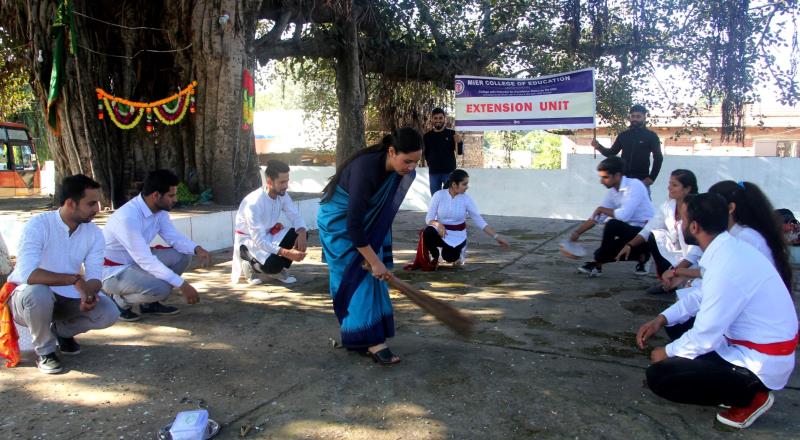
(254,280)
(283,276)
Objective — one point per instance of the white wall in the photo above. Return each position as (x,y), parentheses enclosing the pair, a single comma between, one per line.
(574,192)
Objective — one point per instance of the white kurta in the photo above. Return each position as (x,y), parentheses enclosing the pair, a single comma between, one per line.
(450,210)
(257,215)
(668,233)
(743,298)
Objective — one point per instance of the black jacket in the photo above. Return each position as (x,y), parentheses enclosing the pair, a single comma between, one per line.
(637,144)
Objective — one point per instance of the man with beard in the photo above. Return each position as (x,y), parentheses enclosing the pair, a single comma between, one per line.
(441,146)
(624,211)
(263,245)
(741,346)
(58,273)
(637,143)
(134,272)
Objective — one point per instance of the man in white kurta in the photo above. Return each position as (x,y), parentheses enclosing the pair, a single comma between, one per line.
(58,273)
(263,245)
(741,346)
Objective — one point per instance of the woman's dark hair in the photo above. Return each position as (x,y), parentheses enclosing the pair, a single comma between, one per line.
(456,177)
(406,140)
(754,210)
(686,178)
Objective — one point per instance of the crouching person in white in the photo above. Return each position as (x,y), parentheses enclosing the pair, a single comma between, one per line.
(262,245)
(134,272)
(742,344)
(58,273)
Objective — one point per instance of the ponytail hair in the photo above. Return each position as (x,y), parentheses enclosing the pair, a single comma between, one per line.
(753,209)
(456,177)
(686,178)
(406,140)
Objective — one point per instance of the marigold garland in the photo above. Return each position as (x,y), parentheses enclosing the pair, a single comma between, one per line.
(127,114)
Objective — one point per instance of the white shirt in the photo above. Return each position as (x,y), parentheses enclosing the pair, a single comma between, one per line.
(450,210)
(128,234)
(753,238)
(257,214)
(668,233)
(742,297)
(631,202)
(47,244)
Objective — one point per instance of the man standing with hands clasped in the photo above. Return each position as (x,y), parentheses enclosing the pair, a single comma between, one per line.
(441,146)
(637,144)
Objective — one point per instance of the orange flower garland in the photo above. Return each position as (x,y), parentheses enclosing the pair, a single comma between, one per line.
(127,114)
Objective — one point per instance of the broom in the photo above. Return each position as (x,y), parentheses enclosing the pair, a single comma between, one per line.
(442,311)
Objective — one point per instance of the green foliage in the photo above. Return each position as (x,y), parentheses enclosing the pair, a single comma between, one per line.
(15,93)
(546,147)
(185,197)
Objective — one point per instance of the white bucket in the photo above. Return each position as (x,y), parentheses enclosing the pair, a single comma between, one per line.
(25,338)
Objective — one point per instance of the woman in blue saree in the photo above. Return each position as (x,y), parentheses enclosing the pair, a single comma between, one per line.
(355,225)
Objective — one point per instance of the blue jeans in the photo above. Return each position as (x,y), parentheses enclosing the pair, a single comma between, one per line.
(437,181)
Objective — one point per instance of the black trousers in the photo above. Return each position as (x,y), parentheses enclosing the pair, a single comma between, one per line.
(274,263)
(616,234)
(433,241)
(662,264)
(704,380)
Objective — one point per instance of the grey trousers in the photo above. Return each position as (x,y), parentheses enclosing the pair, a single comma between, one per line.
(134,285)
(36,307)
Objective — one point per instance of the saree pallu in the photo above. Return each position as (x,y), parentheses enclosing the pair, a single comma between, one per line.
(361,302)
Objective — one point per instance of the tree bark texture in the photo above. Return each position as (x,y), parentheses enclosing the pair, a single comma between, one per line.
(350,91)
(207,149)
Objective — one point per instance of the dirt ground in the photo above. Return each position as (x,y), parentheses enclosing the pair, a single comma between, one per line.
(553,356)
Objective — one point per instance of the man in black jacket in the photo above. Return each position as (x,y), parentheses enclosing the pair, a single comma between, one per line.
(441,146)
(637,143)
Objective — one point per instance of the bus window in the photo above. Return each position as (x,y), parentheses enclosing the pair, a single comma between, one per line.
(17,134)
(3,157)
(24,158)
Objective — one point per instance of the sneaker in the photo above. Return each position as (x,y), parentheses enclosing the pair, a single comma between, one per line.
(254,279)
(156,308)
(283,276)
(68,346)
(591,269)
(641,269)
(128,315)
(49,364)
(743,417)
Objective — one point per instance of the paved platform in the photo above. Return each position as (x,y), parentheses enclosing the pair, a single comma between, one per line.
(553,357)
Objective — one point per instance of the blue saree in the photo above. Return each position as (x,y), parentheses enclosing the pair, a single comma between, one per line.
(361,302)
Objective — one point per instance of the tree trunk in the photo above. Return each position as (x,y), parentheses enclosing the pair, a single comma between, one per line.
(350,91)
(207,149)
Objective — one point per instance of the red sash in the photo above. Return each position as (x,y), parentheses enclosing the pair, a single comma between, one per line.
(9,339)
(109,263)
(782,348)
(459,227)
(422,260)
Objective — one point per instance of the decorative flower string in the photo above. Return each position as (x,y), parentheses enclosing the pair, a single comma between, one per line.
(127,114)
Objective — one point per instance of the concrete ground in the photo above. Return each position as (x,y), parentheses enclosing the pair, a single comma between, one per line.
(553,356)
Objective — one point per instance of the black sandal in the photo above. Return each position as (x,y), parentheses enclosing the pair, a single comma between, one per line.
(384,357)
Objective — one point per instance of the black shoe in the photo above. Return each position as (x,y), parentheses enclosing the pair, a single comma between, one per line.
(641,268)
(658,289)
(157,308)
(49,364)
(68,346)
(128,315)
(591,268)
